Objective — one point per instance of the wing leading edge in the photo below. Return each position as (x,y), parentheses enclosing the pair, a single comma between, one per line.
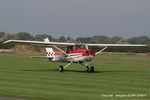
(117,45)
(39,42)
(71,44)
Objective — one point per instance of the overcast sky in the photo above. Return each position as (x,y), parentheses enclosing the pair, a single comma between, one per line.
(76,18)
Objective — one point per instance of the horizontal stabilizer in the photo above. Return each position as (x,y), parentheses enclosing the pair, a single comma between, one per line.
(39,57)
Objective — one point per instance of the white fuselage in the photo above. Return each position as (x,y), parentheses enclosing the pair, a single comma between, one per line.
(74,57)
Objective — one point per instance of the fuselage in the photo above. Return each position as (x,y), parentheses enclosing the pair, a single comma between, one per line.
(75,54)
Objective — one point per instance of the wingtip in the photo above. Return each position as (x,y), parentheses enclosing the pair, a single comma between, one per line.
(7,41)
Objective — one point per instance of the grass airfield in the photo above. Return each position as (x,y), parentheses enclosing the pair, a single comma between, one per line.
(39,79)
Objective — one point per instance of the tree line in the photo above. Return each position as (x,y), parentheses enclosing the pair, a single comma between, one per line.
(93,39)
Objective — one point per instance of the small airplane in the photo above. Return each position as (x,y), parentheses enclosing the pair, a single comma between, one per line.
(75,52)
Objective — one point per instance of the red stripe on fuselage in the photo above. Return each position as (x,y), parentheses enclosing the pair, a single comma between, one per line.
(58,53)
(73,57)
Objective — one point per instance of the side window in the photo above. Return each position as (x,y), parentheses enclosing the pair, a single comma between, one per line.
(69,49)
(77,47)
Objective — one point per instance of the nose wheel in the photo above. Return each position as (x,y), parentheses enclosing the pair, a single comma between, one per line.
(86,68)
(91,69)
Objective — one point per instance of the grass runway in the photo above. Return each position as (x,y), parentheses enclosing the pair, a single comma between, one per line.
(38,79)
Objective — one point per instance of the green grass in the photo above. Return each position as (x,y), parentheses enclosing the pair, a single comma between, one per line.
(38,79)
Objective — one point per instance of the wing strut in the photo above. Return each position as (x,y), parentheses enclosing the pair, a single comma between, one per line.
(59,49)
(68,64)
(101,50)
(62,51)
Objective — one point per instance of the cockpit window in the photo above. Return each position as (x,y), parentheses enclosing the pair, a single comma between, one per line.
(79,47)
(69,49)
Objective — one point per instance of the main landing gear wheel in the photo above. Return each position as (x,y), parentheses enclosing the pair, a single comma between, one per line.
(91,69)
(61,68)
(86,68)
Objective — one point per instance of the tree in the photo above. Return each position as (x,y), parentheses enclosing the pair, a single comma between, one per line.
(83,39)
(100,39)
(139,40)
(2,34)
(8,36)
(122,41)
(69,39)
(41,37)
(24,36)
(114,39)
(94,39)
(62,39)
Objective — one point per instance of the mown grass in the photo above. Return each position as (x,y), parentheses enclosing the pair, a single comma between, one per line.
(38,79)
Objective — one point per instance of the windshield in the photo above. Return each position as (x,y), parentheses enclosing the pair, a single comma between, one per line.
(79,47)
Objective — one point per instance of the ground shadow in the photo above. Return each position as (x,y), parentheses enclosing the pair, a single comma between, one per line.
(78,71)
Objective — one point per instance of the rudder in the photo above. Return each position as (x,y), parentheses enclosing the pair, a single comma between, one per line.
(50,53)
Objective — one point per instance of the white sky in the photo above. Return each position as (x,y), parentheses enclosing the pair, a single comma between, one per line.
(76,18)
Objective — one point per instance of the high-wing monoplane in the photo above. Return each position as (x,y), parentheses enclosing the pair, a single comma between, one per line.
(75,52)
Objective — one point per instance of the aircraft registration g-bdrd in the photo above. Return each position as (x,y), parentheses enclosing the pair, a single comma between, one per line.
(75,53)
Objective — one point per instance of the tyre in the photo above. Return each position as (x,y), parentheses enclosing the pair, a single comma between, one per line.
(61,68)
(91,69)
(86,68)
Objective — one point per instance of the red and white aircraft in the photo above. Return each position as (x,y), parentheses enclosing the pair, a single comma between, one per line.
(75,53)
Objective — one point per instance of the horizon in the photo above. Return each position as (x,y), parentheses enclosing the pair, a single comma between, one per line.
(79,36)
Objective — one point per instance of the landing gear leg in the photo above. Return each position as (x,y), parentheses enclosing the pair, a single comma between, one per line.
(87,69)
(86,66)
(61,68)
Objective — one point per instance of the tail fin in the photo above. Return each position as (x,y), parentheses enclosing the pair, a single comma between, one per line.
(46,40)
(50,53)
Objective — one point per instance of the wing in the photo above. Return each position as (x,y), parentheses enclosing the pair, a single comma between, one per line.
(46,42)
(39,42)
(114,45)
(117,45)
